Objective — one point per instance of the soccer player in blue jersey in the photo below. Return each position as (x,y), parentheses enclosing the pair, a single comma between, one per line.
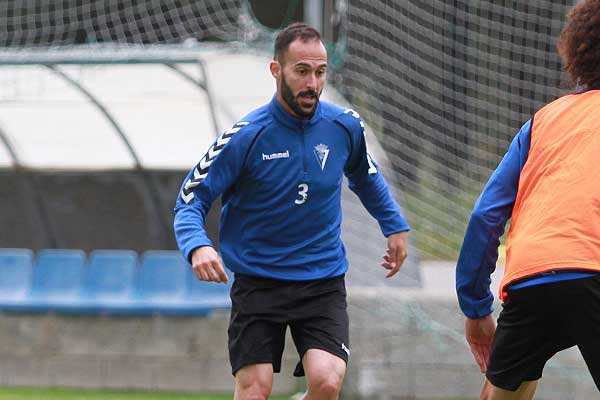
(279,171)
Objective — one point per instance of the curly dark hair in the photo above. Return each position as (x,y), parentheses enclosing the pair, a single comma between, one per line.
(579,44)
(292,32)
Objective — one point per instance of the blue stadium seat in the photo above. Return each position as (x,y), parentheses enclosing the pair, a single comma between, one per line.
(57,278)
(61,281)
(206,296)
(16,268)
(161,282)
(109,281)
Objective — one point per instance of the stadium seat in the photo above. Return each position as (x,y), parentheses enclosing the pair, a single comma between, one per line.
(16,267)
(109,281)
(205,296)
(60,281)
(161,282)
(57,278)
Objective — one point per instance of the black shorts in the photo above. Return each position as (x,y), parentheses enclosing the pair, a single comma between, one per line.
(316,312)
(538,321)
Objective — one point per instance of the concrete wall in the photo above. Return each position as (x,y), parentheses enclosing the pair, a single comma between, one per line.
(151,352)
(405,344)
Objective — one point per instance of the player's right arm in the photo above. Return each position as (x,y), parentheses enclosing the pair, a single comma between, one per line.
(217,171)
(479,252)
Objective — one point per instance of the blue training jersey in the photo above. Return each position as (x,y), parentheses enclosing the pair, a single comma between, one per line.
(280,179)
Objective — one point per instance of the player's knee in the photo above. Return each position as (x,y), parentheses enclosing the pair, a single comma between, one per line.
(484,395)
(253,390)
(329,387)
(329,390)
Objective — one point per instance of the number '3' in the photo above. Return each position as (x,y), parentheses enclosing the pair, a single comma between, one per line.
(303,193)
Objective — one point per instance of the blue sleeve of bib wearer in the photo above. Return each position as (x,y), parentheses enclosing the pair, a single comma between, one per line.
(479,252)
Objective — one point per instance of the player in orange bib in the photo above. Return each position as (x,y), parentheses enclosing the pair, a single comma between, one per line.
(548,184)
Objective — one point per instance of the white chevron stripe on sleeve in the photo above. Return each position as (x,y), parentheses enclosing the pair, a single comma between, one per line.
(206,163)
(196,173)
(191,183)
(352,112)
(236,127)
(207,160)
(221,141)
(187,198)
(357,116)
(212,153)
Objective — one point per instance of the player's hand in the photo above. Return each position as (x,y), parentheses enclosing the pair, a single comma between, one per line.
(480,334)
(207,265)
(397,250)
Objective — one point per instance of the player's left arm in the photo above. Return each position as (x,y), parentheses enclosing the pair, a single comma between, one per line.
(365,179)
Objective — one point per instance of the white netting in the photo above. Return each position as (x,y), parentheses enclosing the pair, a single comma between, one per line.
(71,22)
(447,83)
(444,84)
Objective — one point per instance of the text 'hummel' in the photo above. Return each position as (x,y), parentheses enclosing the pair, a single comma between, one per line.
(285,154)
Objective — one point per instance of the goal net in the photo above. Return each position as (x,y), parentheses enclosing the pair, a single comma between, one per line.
(444,84)
(74,22)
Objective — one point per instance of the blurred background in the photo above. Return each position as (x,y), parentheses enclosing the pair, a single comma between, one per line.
(106,105)
(443,85)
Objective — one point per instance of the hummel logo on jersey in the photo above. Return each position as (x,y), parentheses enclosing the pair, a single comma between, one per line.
(346,349)
(201,170)
(321,152)
(285,154)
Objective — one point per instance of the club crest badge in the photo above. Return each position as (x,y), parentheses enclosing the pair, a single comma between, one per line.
(321,152)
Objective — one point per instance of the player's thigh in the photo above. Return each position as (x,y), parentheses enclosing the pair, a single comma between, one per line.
(582,314)
(255,341)
(322,323)
(256,333)
(526,338)
(323,368)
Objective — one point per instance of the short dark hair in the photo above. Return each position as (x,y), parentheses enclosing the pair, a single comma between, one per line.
(579,44)
(297,30)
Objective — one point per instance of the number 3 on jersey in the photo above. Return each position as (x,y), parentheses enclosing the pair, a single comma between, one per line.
(303,193)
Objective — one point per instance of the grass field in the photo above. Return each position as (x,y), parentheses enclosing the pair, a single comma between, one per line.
(73,394)
(62,394)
